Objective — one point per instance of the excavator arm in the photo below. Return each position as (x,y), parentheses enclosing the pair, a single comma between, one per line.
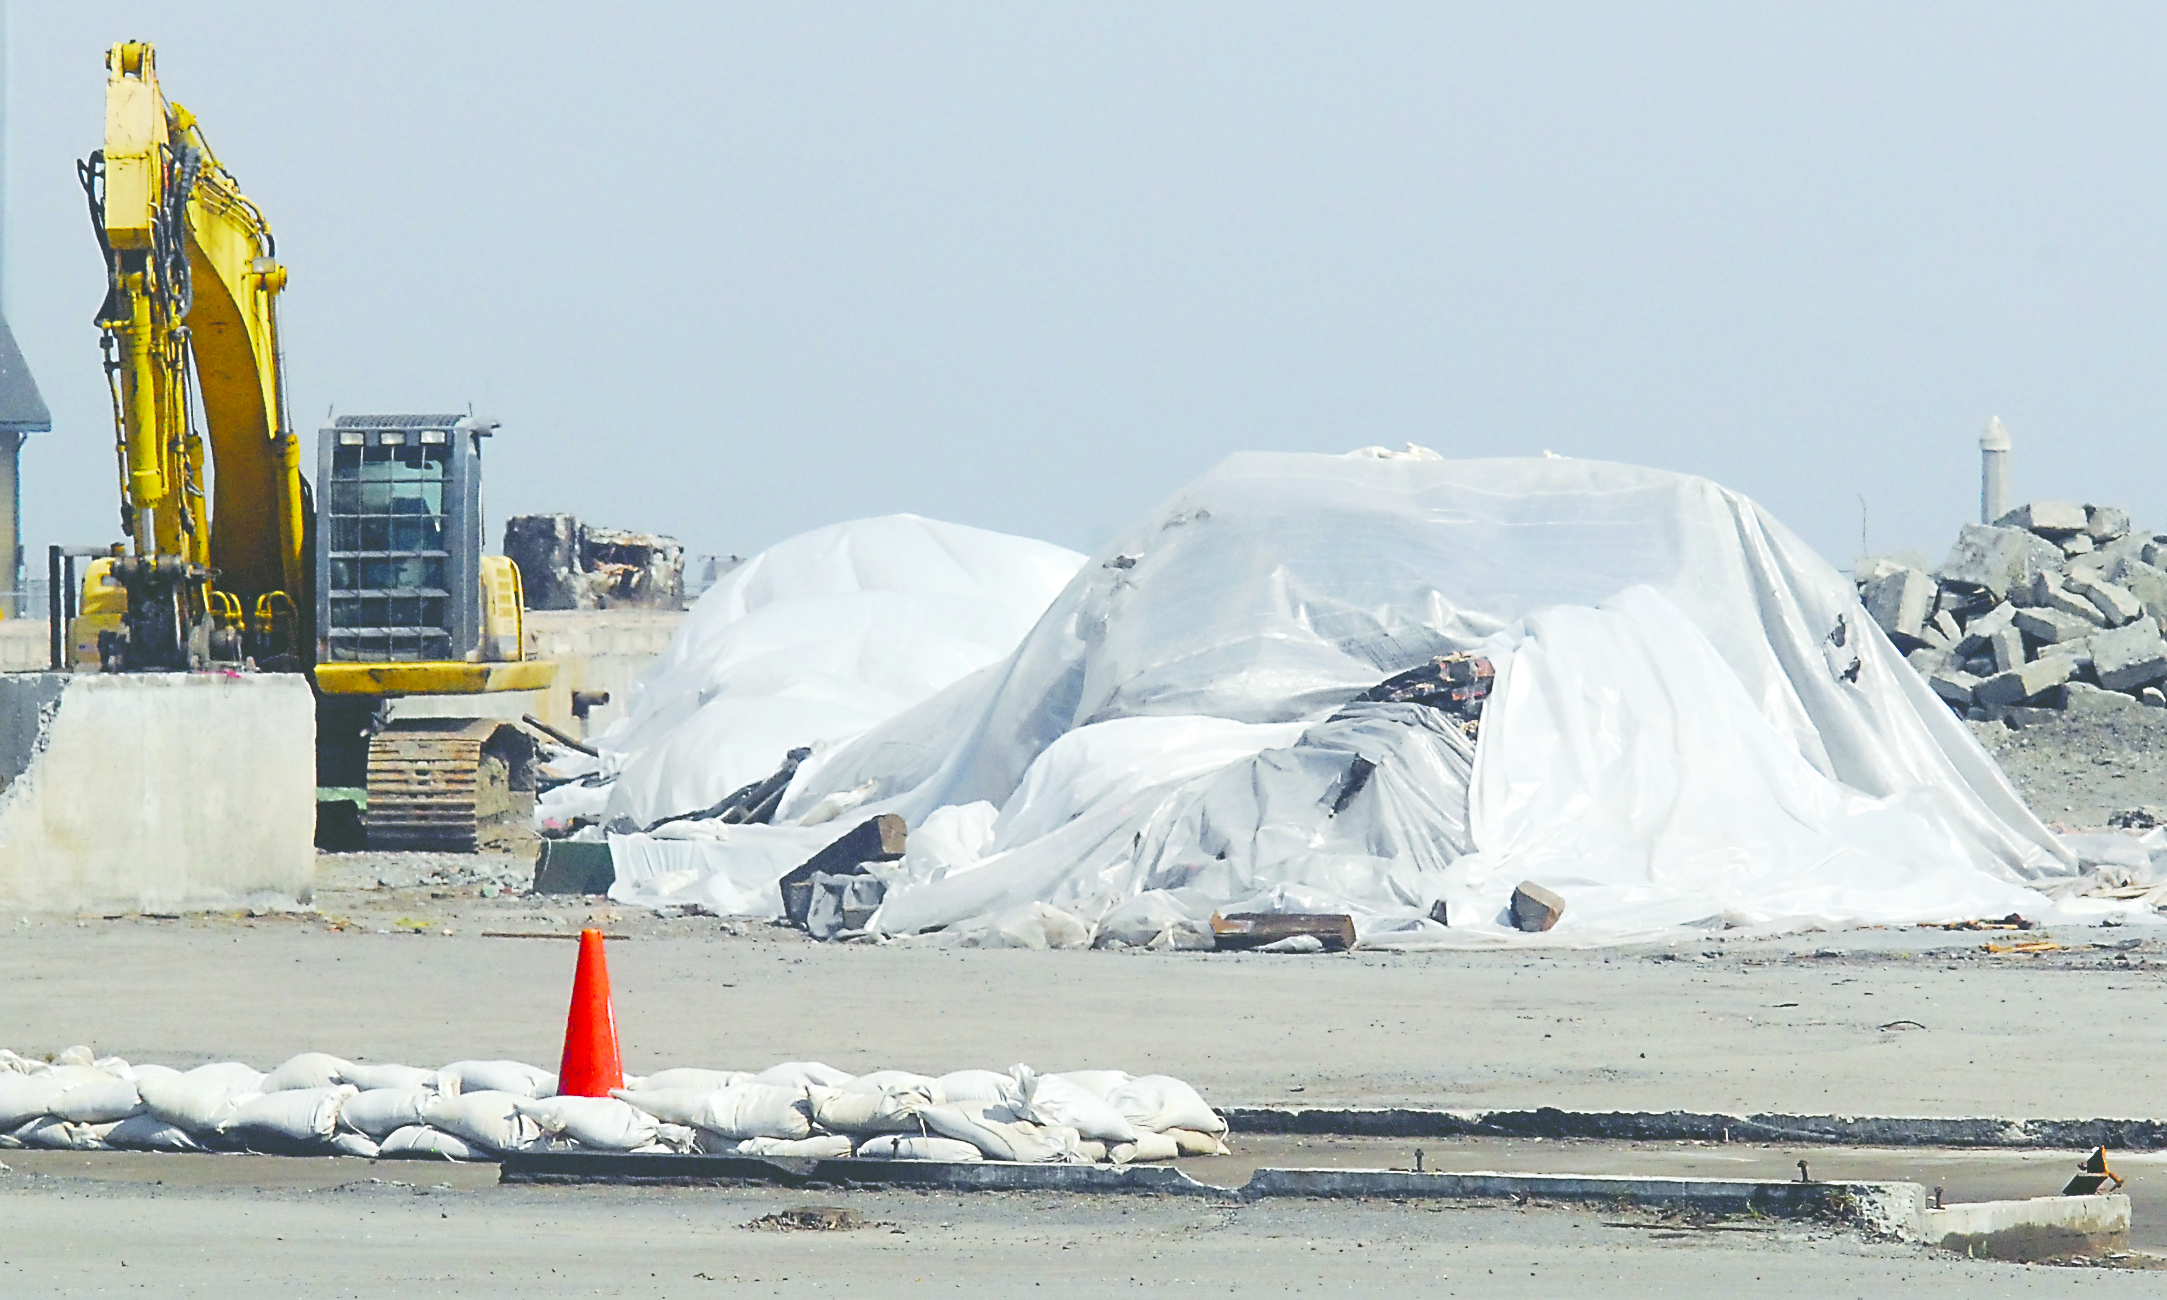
(190,325)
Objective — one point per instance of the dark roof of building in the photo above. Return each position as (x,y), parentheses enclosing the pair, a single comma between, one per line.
(22,407)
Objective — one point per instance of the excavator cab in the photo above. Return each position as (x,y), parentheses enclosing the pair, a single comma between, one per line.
(416,630)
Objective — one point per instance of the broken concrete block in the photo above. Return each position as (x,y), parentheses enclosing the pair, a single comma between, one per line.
(1535,909)
(1875,567)
(1954,685)
(2077,544)
(2047,591)
(1900,602)
(2147,582)
(2152,697)
(1983,665)
(2052,626)
(2115,604)
(2105,523)
(1998,559)
(1944,628)
(2022,683)
(2154,551)
(880,839)
(2082,700)
(1927,659)
(2077,652)
(2130,656)
(2047,517)
(2007,647)
(1979,632)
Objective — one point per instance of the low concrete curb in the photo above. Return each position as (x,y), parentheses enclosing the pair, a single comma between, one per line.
(2044,1227)
(1890,1209)
(1674,1125)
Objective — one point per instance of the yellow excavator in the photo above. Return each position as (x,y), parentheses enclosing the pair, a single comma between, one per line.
(379,591)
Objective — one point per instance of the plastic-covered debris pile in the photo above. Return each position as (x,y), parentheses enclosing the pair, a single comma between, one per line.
(318,1104)
(1452,699)
(2052,602)
(809,643)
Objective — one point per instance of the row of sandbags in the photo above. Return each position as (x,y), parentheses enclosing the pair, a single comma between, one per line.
(320,1103)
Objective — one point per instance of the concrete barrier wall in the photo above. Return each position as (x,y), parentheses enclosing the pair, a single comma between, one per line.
(24,645)
(595,650)
(155,791)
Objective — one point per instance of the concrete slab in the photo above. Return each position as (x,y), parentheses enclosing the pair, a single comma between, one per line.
(155,792)
(2042,1227)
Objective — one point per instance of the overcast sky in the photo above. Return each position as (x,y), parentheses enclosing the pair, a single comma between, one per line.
(734,271)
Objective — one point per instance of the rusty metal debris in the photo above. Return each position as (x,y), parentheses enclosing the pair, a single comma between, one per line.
(1245,930)
(2092,1175)
(1456,684)
(2009,922)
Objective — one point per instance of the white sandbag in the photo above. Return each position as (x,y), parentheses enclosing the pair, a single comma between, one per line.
(98,1103)
(898,1146)
(296,1114)
(379,1112)
(354,1144)
(1054,1100)
(308,1070)
(750,1110)
(485,1119)
(685,1106)
(742,1110)
(597,1123)
(116,1066)
(201,1101)
(1092,1151)
(891,1081)
(820,1146)
(58,1135)
(375,1077)
(1146,1147)
(999,1135)
(802,1074)
(76,1076)
(974,1085)
(141,1072)
(846,1110)
(10,1063)
(1158,1102)
(147,1132)
(419,1141)
(1096,1082)
(76,1055)
(1193,1143)
(25,1097)
(687,1077)
(515,1077)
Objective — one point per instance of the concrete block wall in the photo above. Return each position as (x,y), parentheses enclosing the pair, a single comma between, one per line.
(595,650)
(156,792)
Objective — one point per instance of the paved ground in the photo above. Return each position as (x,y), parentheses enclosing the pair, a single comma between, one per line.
(1910,1022)
(1921,1022)
(168,1229)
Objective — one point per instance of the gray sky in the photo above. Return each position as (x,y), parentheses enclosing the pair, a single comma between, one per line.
(734,271)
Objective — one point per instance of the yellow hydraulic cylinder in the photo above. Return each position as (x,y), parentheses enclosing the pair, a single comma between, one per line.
(139,381)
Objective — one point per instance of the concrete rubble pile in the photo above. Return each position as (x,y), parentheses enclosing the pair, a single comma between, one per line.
(2052,601)
(565,564)
(318,1104)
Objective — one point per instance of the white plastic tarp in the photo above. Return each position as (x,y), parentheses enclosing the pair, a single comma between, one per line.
(809,643)
(1694,722)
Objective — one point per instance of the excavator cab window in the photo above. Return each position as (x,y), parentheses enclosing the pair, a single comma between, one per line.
(400,538)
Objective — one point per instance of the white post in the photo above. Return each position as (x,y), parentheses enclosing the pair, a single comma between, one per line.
(1993,471)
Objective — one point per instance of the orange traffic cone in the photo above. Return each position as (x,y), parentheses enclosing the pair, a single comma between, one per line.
(591,1065)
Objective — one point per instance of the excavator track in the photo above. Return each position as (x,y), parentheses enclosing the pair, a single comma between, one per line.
(439,785)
